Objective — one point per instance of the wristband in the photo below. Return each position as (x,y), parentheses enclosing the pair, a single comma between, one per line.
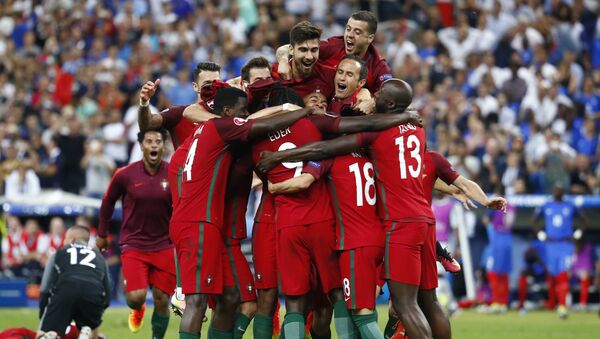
(142,103)
(286,106)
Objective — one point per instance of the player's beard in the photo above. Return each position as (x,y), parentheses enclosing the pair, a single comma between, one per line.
(303,69)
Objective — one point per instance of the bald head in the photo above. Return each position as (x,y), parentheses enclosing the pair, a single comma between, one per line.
(394,96)
(77,233)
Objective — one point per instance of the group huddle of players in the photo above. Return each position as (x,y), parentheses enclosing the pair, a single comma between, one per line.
(345,203)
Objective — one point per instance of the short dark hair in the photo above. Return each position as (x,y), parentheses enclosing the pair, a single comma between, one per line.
(227,97)
(82,232)
(303,31)
(281,95)
(369,18)
(364,70)
(142,134)
(206,67)
(258,62)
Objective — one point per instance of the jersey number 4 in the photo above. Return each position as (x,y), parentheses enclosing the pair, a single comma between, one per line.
(413,145)
(189,161)
(364,190)
(86,258)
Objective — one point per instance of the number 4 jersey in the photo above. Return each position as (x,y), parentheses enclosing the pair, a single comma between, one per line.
(309,206)
(204,175)
(397,154)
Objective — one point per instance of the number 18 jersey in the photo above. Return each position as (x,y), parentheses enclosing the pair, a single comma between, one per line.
(351,183)
(309,206)
(397,154)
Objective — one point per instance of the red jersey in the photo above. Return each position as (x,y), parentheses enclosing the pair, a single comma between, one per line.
(332,51)
(351,182)
(397,155)
(239,183)
(436,166)
(266,209)
(204,175)
(147,207)
(176,165)
(309,206)
(338,105)
(179,127)
(321,79)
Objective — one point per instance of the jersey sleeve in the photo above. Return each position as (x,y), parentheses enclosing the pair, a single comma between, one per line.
(48,280)
(115,190)
(233,128)
(327,48)
(317,168)
(172,116)
(327,124)
(381,73)
(443,168)
(365,139)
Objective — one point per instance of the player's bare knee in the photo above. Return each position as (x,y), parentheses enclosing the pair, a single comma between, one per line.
(249,308)
(195,301)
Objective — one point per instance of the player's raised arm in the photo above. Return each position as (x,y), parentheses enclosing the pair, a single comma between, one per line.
(147,120)
(262,127)
(475,192)
(283,55)
(197,113)
(455,192)
(313,151)
(377,122)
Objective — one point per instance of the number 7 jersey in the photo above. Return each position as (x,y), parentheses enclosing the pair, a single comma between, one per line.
(398,154)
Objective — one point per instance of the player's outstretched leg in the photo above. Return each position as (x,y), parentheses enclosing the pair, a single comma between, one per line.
(191,320)
(436,317)
(160,316)
(135,301)
(263,320)
(404,300)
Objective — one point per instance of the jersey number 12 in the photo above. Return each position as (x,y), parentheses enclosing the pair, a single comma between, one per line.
(88,254)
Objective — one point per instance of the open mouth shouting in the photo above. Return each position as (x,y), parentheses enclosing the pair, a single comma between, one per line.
(341,89)
(349,46)
(153,155)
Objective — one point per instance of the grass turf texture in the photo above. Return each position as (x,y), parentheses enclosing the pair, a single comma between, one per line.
(468,324)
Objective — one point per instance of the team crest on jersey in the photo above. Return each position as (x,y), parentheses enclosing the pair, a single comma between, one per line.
(164,184)
(211,104)
(239,121)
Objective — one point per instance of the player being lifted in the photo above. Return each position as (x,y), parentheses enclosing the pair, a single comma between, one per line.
(147,252)
(357,40)
(197,222)
(397,155)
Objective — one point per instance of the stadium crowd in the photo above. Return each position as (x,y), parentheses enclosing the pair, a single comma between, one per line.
(509,90)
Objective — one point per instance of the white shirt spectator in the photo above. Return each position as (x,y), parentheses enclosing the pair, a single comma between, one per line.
(236,28)
(116,146)
(26,183)
(397,51)
(500,75)
(544,109)
(133,128)
(533,37)
(502,23)
(459,49)
(487,104)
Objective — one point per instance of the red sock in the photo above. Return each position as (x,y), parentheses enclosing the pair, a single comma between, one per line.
(503,289)
(583,294)
(493,281)
(276,324)
(562,288)
(522,290)
(551,302)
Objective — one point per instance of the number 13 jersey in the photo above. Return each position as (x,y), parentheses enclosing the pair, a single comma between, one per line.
(398,154)
(309,206)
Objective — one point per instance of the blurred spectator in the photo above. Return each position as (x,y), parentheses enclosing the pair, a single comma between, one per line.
(22,181)
(98,167)
(13,247)
(115,135)
(182,93)
(36,245)
(70,143)
(55,238)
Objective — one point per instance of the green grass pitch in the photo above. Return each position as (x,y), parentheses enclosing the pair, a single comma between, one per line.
(468,324)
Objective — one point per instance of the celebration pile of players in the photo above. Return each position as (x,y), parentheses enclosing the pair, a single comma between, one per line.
(347,185)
